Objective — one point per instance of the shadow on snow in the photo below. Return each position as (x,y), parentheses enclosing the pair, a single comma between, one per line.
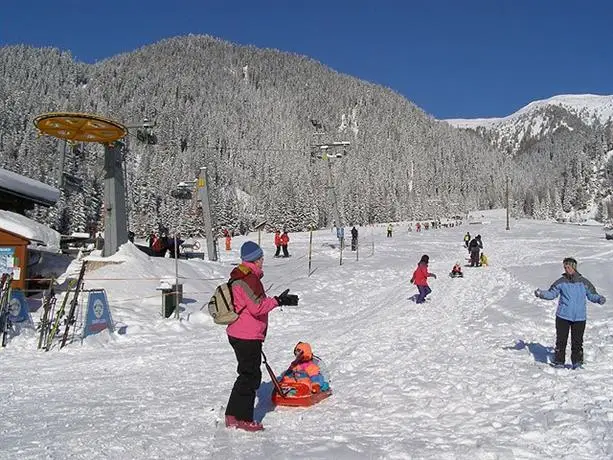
(540,352)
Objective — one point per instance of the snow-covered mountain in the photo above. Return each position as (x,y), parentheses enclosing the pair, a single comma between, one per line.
(540,118)
(561,147)
(587,106)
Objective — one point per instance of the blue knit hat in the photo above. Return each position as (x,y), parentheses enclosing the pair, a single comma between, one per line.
(250,251)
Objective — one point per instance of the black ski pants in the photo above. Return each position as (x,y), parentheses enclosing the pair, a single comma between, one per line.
(278,252)
(242,399)
(474,257)
(285,251)
(576,329)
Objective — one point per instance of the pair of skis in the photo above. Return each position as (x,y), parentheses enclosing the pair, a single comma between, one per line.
(5,301)
(48,311)
(70,316)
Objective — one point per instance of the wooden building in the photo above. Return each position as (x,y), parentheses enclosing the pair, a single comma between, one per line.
(14,257)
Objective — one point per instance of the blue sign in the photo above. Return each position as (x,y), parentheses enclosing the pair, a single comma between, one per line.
(18,307)
(340,232)
(98,316)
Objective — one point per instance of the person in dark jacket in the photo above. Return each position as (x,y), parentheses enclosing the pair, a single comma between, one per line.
(247,334)
(474,247)
(354,238)
(174,245)
(571,313)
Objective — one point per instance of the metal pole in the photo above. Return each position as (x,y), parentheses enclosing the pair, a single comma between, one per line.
(176,278)
(310,249)
(203,192)
(372,238)
(337,216)
(507,194)
(115,226)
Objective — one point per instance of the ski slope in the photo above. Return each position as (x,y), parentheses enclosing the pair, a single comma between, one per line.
(459,377)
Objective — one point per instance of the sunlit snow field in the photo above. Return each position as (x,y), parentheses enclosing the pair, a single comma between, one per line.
(460,377)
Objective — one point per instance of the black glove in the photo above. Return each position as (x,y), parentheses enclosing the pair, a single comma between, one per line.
(287,299)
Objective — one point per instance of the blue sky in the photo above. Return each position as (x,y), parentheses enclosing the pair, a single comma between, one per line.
(454,59)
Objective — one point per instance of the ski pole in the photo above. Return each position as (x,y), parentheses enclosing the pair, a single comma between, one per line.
(273,377)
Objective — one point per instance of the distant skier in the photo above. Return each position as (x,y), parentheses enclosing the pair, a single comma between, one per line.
(390,228)
(483,260)
(228,237)
(474,247)
(420,279)
(571,315)
(278,243)
(467,239)
(284,242)
(151,238)
(354,238)
(456,271)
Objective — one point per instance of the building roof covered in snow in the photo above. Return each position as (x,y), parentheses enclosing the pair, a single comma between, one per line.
(37,233)
(18,192)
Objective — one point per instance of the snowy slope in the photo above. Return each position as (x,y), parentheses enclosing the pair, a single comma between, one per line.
(460,377)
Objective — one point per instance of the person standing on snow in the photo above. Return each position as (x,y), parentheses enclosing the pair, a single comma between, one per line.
(284,242)
(473,248)
(571,314)
(277,243)
(467,239)
(247,334)
(354,238)
(228,236)
(420,279)
(390,228)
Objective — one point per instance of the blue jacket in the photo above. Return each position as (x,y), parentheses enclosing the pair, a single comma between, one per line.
(573,291)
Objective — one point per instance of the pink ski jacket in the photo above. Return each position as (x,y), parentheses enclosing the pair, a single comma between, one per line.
(250,302)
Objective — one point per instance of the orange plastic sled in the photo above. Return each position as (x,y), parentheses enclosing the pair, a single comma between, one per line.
(297,394)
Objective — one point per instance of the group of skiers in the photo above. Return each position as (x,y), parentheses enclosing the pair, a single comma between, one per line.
(246,335)
(421,273)
(572,288)
(160,244)
(281,242)
(474,246)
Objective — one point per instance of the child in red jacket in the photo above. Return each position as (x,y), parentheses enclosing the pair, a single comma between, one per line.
(420,279)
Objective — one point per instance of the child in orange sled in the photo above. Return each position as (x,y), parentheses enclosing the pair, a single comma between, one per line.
(306,369)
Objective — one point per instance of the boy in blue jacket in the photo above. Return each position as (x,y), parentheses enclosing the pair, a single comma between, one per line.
(573,289)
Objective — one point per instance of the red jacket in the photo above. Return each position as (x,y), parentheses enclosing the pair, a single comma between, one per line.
(284,239)
(420,275)
(277,239)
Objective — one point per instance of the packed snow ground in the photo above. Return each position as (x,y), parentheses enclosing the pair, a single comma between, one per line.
(460,377)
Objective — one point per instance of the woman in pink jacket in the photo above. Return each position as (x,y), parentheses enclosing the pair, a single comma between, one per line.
(248,332)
